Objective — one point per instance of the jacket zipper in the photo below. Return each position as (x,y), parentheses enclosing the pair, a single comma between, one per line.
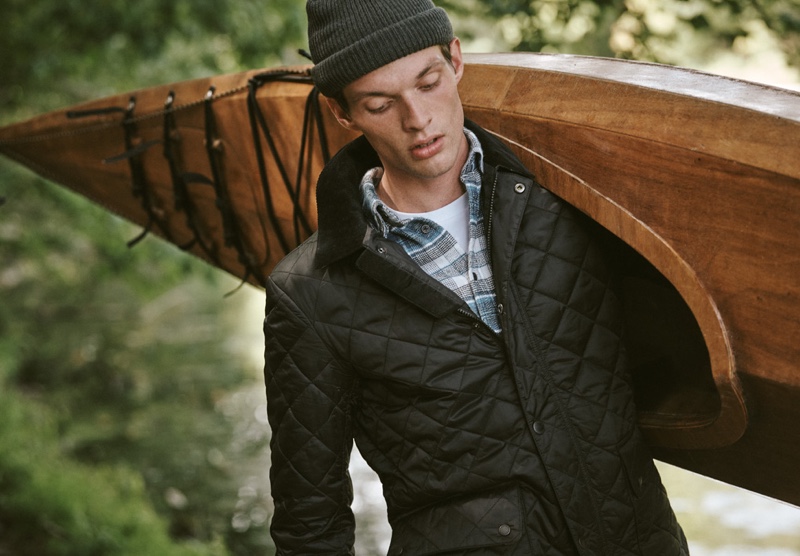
(472,316)
(489,229)
(490,215)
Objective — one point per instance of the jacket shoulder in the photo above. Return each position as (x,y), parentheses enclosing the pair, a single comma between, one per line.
(298,262)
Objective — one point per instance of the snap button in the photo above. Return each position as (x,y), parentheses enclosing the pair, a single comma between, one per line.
(504,530)
(381,250)
(538,427)
(426,229)
(519,188)
(500,308)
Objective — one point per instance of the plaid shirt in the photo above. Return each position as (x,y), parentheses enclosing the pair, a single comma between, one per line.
(434,249)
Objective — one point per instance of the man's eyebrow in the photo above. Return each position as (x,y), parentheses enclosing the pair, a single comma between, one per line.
(427,69)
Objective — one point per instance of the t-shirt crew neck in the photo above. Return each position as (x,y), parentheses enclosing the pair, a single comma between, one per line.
(453,217)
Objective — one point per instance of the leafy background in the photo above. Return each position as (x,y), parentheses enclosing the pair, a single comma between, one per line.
(131,409)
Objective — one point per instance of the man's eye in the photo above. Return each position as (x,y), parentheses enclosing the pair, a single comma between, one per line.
(429,86)
(376,109)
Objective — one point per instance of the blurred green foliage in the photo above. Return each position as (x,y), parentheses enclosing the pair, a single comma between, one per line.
(51,505)
(127,403)
(59,52)
(665,31)
(128,360)
(131,418)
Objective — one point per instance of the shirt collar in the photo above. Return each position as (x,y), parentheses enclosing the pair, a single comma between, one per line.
(383,218)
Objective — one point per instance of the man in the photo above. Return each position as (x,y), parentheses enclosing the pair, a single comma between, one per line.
(454,319)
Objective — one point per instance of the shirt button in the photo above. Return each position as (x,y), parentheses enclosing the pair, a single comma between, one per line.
(519,188)
(504,530)
(426,229)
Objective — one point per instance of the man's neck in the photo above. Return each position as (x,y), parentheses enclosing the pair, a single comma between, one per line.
(426,197)
(417,195)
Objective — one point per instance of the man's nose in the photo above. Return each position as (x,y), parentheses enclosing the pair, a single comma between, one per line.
(416,115)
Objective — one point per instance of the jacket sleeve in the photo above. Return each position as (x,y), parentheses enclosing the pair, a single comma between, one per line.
(307,406)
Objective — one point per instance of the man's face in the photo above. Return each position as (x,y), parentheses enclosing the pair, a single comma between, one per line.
(411,113)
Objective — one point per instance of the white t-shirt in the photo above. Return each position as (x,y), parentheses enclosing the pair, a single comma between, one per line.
(453,217)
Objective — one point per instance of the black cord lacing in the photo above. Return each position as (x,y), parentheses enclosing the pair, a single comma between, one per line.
(257,119)
(260,127)
(134,150)
(181,180)
(180,184)
(214,147)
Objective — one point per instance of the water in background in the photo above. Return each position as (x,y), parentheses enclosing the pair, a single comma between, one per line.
(723,520)
(719,519)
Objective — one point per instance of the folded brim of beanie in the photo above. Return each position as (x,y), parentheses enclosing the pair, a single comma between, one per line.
(429,28)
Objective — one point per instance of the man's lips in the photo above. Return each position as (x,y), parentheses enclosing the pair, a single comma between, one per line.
(427,148)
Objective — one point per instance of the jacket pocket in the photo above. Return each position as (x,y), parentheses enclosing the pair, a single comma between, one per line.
(487,519)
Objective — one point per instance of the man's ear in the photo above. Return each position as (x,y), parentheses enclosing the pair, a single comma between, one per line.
(457,58)
(341,114)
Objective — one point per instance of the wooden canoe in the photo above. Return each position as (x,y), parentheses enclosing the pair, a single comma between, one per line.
(697,177)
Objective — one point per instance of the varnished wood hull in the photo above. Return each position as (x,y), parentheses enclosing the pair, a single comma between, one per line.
(697,176)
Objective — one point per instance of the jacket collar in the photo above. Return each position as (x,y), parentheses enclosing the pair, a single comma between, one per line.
(341,222)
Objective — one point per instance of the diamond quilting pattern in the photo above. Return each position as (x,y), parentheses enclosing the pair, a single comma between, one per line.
(441,407)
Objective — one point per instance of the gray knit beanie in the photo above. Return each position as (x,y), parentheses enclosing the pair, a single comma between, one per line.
(350,38)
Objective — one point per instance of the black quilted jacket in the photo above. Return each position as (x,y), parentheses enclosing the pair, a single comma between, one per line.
(519,444)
